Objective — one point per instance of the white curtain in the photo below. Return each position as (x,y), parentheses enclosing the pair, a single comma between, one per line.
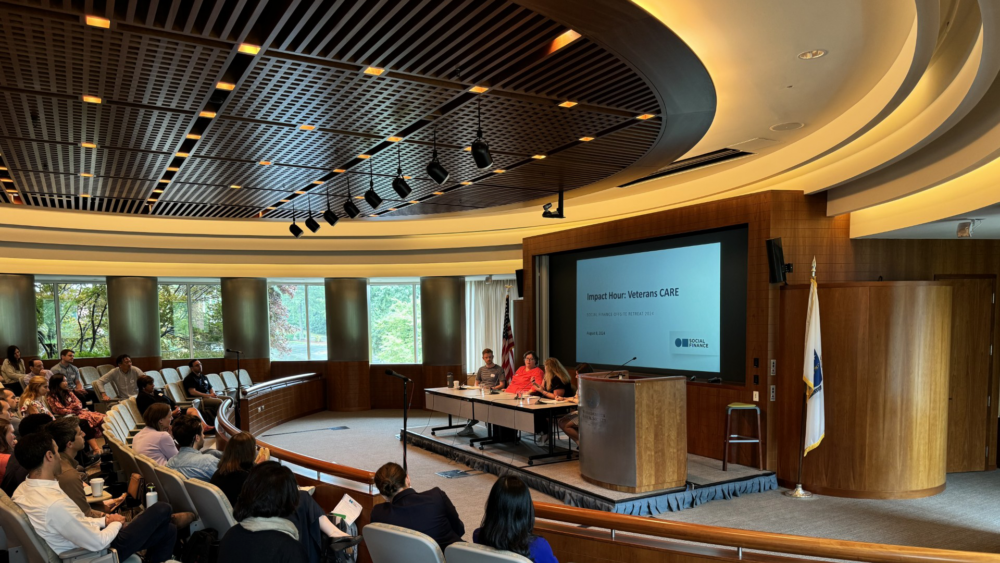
(484,306)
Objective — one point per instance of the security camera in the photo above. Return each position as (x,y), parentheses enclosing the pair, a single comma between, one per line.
(547,206)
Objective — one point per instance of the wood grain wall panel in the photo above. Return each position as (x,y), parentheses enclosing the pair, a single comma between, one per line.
(258,368)
(348,386)
(885,365)
(208,365)
(267,408)
(285,369)
(387,392)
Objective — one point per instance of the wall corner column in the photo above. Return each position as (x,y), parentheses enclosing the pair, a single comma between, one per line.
(245,325)
(134,320)
(348,380)
(442,341)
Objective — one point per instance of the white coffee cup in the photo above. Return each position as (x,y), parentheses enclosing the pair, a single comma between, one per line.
(97,487)
(458,385)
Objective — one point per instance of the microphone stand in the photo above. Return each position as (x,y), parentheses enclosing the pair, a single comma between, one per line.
(406,409)
(239,389)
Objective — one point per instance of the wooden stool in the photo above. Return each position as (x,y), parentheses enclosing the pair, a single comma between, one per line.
(736,438)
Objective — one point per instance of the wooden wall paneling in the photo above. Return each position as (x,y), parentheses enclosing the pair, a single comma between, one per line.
(208,365)
(285,369)
(387,392)
(972,327)
(885,353)
(348,386)
(258,368)
(268,408)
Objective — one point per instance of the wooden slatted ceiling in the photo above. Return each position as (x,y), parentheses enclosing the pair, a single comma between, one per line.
(158,64)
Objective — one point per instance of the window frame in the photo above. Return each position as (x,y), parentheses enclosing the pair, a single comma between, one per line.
(187,293)
(417,335)
(55,282)
(308,331)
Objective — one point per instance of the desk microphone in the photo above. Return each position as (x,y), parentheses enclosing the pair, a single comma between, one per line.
(623,365)
(397,375)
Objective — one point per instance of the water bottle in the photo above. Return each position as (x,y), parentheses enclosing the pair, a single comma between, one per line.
(451,380)
(151,496)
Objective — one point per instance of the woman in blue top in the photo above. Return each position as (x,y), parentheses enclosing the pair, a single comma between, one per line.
(509,520)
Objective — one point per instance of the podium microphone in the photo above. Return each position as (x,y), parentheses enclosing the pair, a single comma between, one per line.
(623,365)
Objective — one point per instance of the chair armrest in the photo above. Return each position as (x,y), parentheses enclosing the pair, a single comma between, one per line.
(80,555)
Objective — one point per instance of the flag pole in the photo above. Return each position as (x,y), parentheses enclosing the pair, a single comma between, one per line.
(798,491)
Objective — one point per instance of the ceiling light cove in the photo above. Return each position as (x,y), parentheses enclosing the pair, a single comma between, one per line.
(225,86)
(645,116)
(478,89)
(307,127)
(192,136)
(208,114)
(564,39)
(236,187)
(499,171)
(91,99)
(182,154)
(265,163)
(88,145)
(567,104)
(248,49)
(586,139)
(538,156)
(83,174)
(97,21)
(374,71)
(394,139)
(173,169)
(164,181)
(438,193)
(364,156)
(317,182)
(466,183)
(339,170)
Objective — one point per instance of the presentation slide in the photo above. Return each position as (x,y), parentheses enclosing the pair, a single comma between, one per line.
(663,306)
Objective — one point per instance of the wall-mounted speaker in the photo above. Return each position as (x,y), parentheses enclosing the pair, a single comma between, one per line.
(520,282)
(776,266)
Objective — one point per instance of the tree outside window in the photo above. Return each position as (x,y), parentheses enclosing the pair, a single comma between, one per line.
(72,315)
(297,322)
(394,323)
(190,321)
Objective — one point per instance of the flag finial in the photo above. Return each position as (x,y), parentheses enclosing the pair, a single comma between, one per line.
(814,268)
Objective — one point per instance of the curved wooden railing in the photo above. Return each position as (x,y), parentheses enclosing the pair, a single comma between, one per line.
(750,539)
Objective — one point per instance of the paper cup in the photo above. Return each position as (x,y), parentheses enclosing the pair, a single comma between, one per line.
(458,385)
(97,487)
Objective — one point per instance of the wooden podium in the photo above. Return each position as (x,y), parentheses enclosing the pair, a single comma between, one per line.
(633,432)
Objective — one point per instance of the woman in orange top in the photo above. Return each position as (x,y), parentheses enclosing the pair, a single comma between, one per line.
(521,382)
(7,443)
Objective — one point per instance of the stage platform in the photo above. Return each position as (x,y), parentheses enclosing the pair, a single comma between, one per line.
(560,478)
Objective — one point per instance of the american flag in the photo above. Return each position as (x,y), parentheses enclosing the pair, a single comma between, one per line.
(507,355)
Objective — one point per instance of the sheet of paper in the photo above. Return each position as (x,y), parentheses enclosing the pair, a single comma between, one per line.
(348,509)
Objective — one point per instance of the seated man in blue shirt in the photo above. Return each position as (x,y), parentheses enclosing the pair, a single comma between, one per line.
(190,437)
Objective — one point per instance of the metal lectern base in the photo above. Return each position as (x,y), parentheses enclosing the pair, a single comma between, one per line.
(798,492)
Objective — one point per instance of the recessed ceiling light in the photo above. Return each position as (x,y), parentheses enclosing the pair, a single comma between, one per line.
(84,195)
(567,104)
(499,171)
(235,186)
(264,163)
(438,193)
(814,54)
(6,180)
(466,183)
(88,145)
(566,38)
(538,156)
(407,177)
(183,154)
(394,139)
(307,127)
(373,215)
(586,139)
(249,49)
(339,170)
(173,169)
(157,191)
(192,136)
(91,99)
(467,149)
(96,21)
(374,71)
(359,197)
(414,202)
(364,156)
(317,182)
(270,209)
(283,201)
(3,167)
(153,199)
(645,116)
(478,89)
(392,209)
(83,174)
(790,126)
(300,192)
(225,85)
(208,114)
(164,181)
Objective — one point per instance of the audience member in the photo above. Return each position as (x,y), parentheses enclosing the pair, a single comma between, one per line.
(70,441)
(312,524)
(526,374)
(16,473)
(154,440)
(193,463)
(490,376)
(35,369)
(509,520)
(430,512)
(62,402)
(7,443)
(123,378)
(33,399)
(12,369)
(149,394)
(66,368)
(265,534)
(197,385)
(59,521)
(7,411)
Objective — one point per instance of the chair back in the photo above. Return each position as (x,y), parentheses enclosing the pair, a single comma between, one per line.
(126,416)
(133,410)
(183,371)
(19,532)
(89,375)
(389,544)
(146,469)
(170,374)
(173,485)
(244,377)
(126,460)
(213,506)
(158,381)
(217,384)
(177,393)
(104,368)
(229,378)
(471,553)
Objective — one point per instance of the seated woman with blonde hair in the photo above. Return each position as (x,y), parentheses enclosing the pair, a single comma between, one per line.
(33,399)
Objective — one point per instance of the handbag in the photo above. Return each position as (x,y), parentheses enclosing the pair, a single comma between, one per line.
(335,550)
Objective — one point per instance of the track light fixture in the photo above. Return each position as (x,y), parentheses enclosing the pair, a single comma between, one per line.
(435,170)
(371,197)
(349,207)
(311,223)
(294,228)
(399,183)
(558,213)
(480,148)
(329,216)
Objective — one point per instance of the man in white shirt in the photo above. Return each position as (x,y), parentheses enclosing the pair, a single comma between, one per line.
(123,378)
(59,521)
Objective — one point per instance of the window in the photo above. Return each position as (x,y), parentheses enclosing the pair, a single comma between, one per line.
(190,321)
(394,323)
(72,315)
(297,322)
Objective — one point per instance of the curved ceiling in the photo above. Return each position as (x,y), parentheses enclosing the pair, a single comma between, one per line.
(901,128)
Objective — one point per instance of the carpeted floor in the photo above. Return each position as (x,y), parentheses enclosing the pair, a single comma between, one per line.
(964,517)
